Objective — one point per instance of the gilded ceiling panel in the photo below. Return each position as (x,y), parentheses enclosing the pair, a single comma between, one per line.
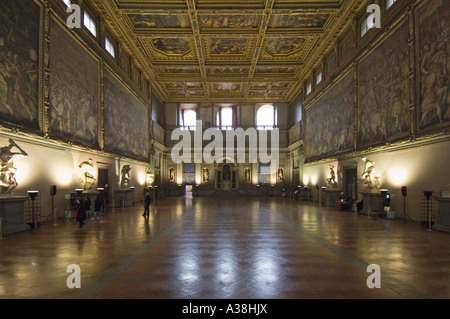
(208,50)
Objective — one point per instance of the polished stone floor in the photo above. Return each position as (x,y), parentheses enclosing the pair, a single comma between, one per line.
(219,248)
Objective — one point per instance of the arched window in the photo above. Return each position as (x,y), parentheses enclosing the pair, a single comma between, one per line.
(188,116)
(226,118)
(189,119)
(266,117)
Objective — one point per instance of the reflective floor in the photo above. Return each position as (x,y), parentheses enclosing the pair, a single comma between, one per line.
(213,248)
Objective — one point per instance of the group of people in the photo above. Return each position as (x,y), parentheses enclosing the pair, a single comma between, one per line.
(84,205)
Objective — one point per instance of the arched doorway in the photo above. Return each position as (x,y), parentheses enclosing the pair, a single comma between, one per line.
(226,177)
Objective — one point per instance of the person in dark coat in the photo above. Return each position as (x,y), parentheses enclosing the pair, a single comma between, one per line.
(81,212)
(97,208)
(147,201)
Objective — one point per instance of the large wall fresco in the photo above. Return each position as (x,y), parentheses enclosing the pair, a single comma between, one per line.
(384,91)
(330,121)
(125,121)
(19,63)
(434,64)
(74,89)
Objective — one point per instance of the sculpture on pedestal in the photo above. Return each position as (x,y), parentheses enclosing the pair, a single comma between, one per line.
(247,174)
(171,175)
(126,176)
(331,181)
(206,175)
(87,176)
(7,180)
(150,178)
(371,181)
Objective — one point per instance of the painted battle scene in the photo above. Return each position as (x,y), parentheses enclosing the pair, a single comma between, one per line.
(384,91)
(228,46)
(171,46)
(306,20)
(19,63)
(434,64)
(229,21)
(125,121)
(284,45)
(73,91)
(160,21)
(330,121)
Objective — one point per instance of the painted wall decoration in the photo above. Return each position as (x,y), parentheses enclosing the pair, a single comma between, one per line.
(125,121)
(284,46)
(228,46)
(384,91)
(306,20)
(19,63)
(74,89)
(330,121)
(434,64)
(160,21)
(172,46)
(229,21)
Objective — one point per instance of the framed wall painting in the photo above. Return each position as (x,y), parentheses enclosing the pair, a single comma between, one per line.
(74,89)
(20,56)
(433,51)
(126,120)
(384,91)
(329,129)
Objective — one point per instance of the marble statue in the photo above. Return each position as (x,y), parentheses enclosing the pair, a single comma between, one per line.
(370,180)
(126,176)
(7,171)
(87,176)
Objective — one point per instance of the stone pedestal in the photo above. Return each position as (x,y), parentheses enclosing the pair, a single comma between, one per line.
(123,197)
(372,203)
(443,214)
(331,196)
(12,212)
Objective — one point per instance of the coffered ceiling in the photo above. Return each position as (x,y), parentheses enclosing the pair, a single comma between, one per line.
(227,50)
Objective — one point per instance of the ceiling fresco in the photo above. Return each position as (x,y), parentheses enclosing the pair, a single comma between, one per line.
(255,50)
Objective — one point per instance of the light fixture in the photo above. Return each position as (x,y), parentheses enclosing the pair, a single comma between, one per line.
(32,194)
(78,191)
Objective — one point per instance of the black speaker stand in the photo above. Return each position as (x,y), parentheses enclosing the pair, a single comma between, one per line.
(404,215)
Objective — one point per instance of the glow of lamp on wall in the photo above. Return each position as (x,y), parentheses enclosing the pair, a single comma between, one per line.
(63,176)
(398,176)
(141,179)
(305,180)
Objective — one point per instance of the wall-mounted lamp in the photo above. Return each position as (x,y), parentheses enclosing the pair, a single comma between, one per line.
(78,191)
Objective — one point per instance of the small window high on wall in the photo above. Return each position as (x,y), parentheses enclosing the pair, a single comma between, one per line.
(90,24)
(266,117)
(389,3)
(226,118)
(109,46)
